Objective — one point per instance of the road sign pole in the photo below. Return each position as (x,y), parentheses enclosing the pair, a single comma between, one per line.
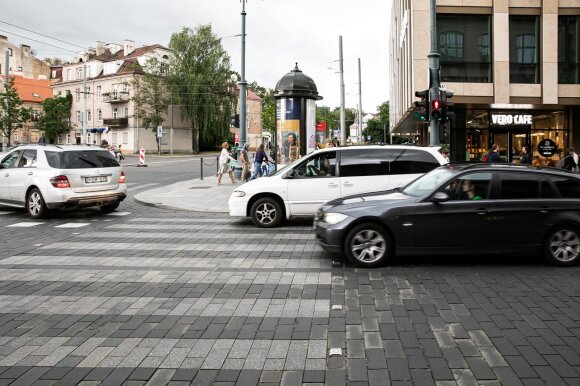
(433,75)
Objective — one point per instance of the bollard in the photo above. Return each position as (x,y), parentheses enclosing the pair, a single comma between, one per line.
(201,167)
(217,165)
(141,157)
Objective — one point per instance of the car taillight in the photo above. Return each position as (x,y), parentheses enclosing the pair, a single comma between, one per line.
(122,178)
(60,182)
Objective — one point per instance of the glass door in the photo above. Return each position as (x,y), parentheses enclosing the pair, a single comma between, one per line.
(518,139)
(502,140)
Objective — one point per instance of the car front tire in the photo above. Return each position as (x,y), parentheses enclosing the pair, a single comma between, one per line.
(368,245)
(35,205)
(266,213)
(562,246)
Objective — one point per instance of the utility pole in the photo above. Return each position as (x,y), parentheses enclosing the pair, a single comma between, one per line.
(171,127)
(84,113)
(434,77)
(342,112)
(360,120)
(243,83)
(6,74)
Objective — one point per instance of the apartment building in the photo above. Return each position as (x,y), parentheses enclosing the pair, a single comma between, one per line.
(514,66)
(101,82)
(22,61)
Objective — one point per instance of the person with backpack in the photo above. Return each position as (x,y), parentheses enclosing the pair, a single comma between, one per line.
(571,160)
(493,155)
(258,159)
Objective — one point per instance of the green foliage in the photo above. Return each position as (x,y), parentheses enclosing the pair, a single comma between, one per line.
(378,127)
(199,77)
(152,96)
(55,116)
(12,114)
(332,117)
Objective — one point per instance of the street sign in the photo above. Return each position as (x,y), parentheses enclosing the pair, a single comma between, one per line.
(159,131)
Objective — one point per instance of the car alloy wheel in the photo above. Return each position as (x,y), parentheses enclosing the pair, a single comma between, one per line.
(563,246)
(35,204)
(367,245)
(266,213)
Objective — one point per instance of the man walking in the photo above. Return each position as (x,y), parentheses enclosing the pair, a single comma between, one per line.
(245,162)
(571,160)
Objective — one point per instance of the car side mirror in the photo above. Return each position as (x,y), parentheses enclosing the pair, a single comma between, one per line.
(440,197)
(291,174)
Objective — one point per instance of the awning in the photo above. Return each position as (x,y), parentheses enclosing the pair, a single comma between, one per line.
(95,130)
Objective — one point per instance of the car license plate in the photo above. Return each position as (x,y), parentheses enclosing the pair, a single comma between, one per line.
(92,180)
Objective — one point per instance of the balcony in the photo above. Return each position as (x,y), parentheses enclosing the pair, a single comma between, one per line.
(116,123)
(116,97)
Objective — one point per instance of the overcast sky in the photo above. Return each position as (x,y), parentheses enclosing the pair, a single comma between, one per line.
(279,33)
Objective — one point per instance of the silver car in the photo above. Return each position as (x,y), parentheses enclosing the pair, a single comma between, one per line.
(44,177)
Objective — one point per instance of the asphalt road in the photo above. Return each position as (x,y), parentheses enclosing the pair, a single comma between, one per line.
(163,296)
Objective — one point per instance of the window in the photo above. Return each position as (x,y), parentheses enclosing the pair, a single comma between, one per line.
(524,49)
(79,73)
(464,45)
(99,96)
(321,166)
(88,93)
(114,138)
(78,94)
(10,160)
(472,186)
(125,138)
(115,113)
(20,68)
(68,139)
(88,115)
(79,159)
(568,187)
(79,116)
(374,162)
(412,161)
(126,112)
(68,74)
(10,52)
(34,114)
(569,49)
(517,186)
(28,159)
(99,115)
(126,88)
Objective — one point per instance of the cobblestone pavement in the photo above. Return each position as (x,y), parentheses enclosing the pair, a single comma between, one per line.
(151,296)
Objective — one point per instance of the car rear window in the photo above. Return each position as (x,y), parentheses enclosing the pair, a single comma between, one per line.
(81,159)
(568,187)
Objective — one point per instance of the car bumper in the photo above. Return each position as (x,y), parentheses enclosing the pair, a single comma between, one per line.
(85,201)
(238,206)
(331,236)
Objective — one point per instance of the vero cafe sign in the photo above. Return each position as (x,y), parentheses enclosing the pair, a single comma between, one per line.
(511,119)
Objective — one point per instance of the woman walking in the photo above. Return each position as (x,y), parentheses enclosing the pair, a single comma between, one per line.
(258,159)
(224,164)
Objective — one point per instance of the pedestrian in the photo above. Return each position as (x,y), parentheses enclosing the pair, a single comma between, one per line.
(571,160)
(258,159)
(244,157)
(42,140)
(223,164)
(329,142)
(525,158)
(493,155)
(112,151)
(445,154)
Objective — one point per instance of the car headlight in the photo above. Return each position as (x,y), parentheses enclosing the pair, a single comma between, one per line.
(333,218)
(238,193)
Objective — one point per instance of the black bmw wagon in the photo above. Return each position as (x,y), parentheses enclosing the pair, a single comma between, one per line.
(460,209)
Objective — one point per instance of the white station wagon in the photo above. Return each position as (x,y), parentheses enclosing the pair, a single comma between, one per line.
(302,187)
(44,177)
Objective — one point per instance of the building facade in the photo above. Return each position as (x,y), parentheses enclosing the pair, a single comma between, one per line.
(254,134)
(101,82)
(513,65)
(22,61)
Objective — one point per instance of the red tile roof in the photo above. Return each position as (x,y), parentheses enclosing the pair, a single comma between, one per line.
(32,90)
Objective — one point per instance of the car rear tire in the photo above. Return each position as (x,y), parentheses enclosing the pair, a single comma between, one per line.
(109,208)
(562,246)
(266,213)
(368,245)
(35,205)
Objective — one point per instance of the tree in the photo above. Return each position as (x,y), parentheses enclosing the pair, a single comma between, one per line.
(13,115)
(199,74)
(332,117)
(151,96)
(378,127)
(54,119)
(268,106)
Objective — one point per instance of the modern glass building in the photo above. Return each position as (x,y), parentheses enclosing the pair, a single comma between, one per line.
(514,66)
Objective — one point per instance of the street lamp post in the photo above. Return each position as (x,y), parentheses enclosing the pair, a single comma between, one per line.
(243,83)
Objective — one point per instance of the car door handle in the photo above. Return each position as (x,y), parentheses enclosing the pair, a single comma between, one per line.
(332,185)
(482,211)
(30,173)
(6,175)
(544,210)
(347,183)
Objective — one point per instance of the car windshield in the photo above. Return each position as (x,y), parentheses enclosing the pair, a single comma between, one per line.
(428,182)
(81,159)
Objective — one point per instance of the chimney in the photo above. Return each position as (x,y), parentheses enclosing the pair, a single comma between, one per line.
(100,48)
(128,46)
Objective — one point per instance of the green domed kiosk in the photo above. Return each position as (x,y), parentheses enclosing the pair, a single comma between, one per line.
(296,95)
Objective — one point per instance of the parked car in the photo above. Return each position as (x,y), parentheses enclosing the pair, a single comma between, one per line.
(9,149)
(44,177)
(301,187)
(460,209)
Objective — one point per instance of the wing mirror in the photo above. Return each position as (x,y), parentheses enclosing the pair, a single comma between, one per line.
(291,173)
(440,197)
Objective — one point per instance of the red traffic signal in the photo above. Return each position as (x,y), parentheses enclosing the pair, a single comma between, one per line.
(436,104)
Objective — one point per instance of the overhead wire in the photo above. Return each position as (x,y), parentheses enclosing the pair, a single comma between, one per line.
(41,34)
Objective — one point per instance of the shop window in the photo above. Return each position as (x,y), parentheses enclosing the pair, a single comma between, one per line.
(524,49)
(464,44)
(569,49)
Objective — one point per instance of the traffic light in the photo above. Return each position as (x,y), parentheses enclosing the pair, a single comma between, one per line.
(435,103)
(236,120)
(446,106)
(423,105)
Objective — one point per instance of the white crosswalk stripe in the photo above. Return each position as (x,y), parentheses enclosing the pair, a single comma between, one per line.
(24,224)
(73,225)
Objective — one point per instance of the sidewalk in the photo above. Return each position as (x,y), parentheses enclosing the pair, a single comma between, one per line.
(193,195)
